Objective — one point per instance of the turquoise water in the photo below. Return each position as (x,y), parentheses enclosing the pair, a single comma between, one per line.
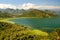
(39,23)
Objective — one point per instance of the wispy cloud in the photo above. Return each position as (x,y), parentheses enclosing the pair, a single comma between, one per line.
(30,5)
(4,6)
(27,6)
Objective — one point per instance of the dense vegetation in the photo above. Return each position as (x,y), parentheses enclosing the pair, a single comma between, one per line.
(9,13)
(10,31)
(5,15)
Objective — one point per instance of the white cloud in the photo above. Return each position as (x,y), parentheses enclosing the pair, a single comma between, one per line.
(30,5)
(4,6)
(27,6)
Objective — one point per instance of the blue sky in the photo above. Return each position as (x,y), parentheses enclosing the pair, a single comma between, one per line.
(38,2)
(26,4)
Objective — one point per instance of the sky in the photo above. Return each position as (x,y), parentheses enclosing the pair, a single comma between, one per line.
(26,4)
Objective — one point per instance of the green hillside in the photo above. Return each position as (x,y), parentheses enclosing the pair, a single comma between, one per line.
(38,13)
(27,13)
(10,31)
(5,15)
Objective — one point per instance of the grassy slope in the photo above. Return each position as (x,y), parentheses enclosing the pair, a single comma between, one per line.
(19,32)
(38,13)
(11,31)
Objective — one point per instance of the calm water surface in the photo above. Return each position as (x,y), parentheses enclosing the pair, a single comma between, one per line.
(39,23)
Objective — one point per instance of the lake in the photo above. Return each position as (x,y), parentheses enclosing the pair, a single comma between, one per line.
(39,23)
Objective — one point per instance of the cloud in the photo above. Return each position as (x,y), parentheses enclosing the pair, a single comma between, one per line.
(30,5)
(27,6)
(4,6)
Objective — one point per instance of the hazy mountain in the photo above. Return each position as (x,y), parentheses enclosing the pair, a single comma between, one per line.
(38,13)
(26,13)
(57,11)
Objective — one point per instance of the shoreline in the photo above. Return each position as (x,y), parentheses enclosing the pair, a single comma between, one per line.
(7,20)
(21,17)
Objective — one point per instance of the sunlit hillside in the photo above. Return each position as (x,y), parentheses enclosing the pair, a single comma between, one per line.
(10,31)
(11,13)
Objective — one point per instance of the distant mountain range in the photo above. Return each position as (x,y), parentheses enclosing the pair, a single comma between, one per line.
(57,11)
(39,13)
(27,13)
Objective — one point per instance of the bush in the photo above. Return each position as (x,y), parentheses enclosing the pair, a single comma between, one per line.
(10,31)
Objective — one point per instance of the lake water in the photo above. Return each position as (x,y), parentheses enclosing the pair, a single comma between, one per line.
(39,23)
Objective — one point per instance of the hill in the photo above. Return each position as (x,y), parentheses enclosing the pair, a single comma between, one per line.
(5,15)
(10,13)
(38,13)
(10,31)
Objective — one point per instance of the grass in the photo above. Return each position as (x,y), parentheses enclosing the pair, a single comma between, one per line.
(17,32)
(7,20)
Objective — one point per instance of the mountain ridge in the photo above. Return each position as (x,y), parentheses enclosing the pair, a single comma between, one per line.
(27,13)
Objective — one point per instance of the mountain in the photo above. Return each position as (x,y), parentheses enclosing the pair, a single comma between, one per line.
(26,13)
(12,11)
(38,13)
(57,11)
(5,13)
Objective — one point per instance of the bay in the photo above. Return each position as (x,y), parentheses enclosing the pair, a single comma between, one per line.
(39,23)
